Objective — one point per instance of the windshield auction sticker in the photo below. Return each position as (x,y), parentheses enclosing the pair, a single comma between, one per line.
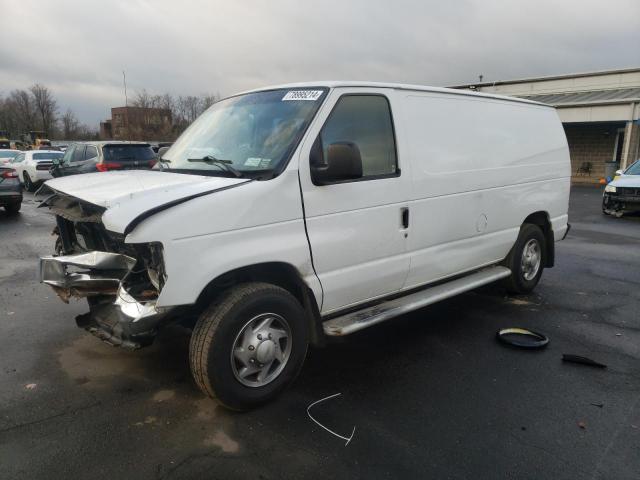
(311,95)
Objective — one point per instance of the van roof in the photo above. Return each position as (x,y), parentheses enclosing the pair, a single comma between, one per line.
(395,86)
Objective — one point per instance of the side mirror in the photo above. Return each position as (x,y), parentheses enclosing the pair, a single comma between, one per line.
(618,172)
(55,161)
(343,162)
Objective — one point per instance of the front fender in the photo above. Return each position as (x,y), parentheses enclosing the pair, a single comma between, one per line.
(209,236)
(192,263)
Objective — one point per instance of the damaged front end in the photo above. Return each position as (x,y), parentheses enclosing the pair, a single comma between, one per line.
(618,201)
(120,281)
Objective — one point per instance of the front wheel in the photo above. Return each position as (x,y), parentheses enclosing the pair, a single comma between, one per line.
(249,345)
(526,260)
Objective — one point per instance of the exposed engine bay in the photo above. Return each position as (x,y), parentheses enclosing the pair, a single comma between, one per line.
(120,281)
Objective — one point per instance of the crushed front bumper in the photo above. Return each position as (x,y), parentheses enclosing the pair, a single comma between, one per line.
(85,274)
(616,203)
(114,316)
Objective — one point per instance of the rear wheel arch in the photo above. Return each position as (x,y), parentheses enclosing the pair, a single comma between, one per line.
(281,274)
(542,220)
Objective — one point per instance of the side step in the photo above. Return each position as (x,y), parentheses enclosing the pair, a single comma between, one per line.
(354,321)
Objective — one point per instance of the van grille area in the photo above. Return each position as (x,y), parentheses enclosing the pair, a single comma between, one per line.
(82,237)
(122,282)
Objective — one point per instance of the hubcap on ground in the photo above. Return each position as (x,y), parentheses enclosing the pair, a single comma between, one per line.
(261,350)
(531,259)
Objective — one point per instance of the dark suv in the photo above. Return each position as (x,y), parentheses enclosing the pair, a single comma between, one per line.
(104,156)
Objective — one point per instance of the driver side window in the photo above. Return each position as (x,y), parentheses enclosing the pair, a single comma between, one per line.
(364,120)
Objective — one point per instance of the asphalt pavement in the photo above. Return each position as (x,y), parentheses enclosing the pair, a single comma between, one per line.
(431,394)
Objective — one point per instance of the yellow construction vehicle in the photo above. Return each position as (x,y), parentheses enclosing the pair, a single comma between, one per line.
(35,140)
(4,139)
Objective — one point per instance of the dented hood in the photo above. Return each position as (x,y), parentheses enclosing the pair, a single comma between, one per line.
(128,197)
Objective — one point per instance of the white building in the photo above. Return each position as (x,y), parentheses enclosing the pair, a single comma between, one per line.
(600,112)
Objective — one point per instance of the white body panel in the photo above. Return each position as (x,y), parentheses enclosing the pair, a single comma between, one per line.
(480,167)
(512,160)
(257,222)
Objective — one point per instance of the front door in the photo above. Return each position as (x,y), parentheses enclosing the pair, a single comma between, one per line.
(357,228)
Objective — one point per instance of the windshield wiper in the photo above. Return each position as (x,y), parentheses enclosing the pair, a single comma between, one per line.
(223,164)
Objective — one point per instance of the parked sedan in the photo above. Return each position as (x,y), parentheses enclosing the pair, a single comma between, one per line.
(10,190)
(92,157)
(33,167)
(7,155)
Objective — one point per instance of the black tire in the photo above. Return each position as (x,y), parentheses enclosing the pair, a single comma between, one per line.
(518,282)
(217,329)
(13,208)
(28,184)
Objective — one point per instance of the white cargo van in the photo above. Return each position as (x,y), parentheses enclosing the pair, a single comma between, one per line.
(289,214)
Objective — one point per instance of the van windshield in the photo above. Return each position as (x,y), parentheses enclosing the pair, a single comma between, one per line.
(248,135)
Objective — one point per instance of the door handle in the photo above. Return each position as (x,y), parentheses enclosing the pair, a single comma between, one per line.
(405,217)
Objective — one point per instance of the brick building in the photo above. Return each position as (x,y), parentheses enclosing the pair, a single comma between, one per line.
(137,123)
(600,112)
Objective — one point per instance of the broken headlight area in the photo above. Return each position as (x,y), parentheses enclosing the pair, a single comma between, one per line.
(91,261)
(622,200)
(85,274)
(120,281)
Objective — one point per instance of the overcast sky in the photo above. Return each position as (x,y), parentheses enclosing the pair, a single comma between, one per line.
(78,48)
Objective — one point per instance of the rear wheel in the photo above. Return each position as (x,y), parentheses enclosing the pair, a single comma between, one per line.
(13,208)
(249,345)
(28,184)
(526,260)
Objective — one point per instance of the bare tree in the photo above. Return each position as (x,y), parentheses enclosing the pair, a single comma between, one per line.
(142,99)
(85,132)
(70,125)
(6,119)
(22,112)
(45,106)
(167,102)
(189,107)
(208,100)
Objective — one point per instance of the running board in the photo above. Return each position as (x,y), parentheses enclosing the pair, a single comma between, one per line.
(354,321)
